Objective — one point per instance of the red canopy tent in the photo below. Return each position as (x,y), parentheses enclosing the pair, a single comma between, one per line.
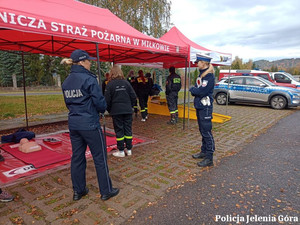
(56,27)
(175,36)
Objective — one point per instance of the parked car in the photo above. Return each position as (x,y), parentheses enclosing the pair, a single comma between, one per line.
(263,74)
(283,77)
(253,89)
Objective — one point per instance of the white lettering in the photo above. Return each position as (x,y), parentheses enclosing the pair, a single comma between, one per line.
(106,36)
(136,41)
(112,38)
(31,22)
(77,31)
(117,38)
(54,26)
(73,93)
(69,29)
(128,41)
(12,18)
(94,33)
(3,17)
(20,22)
(84,32)
(62,27)
(41,24)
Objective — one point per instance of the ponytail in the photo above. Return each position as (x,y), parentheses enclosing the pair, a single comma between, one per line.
(67,61)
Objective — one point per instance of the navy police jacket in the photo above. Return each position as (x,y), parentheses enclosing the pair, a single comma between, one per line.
(83,98)
(203,90)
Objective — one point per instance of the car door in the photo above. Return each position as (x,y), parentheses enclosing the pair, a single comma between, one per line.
(236,88)
(255,90)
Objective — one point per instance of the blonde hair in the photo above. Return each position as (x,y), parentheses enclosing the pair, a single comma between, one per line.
(209,70)
(67,61)
(116,73)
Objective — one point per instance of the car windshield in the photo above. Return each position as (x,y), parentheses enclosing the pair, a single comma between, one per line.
(290,76)
(268,82)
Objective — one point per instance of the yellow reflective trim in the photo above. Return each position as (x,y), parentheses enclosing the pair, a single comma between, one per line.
(146,108)
(128,137)
(176,80)
(143,110)
(173,112)
(120,139)
(176,110)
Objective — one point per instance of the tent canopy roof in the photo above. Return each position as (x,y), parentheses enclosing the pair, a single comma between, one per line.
(175,36)
(58,27)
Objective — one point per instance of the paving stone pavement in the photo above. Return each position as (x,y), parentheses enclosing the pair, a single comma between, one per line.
(143,178)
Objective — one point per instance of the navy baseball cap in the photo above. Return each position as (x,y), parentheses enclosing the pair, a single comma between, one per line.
(202,58)
(80,55)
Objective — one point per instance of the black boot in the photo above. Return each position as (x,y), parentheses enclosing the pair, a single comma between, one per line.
(205,163)
(172,120)
(199,155)
(176,117)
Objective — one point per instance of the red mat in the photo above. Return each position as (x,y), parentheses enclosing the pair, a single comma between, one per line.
(14,168)
(38,159)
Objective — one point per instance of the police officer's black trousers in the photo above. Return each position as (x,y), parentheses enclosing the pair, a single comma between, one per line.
(80,139)
(204,117)
(143,101)
(123,129)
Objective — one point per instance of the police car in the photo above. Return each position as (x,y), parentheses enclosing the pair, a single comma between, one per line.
(252,89)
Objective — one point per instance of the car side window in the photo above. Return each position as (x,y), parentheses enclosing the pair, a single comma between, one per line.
(279,76)
(253,82)
(236,80)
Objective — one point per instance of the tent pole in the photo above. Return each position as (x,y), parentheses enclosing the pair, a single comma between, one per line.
(227,96)
(189,82)
(24,89)
(184,98)
(98,65)
(100,84)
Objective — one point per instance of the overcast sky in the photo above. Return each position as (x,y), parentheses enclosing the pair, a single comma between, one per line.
(249,29)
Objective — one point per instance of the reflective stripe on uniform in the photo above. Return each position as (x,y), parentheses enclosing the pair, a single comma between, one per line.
(128,137)
(120,139)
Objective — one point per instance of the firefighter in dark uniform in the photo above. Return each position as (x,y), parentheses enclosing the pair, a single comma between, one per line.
(120,98)
(173,86)
(104,83)
(203,103)
(142,91)
(84,100)
(131,79)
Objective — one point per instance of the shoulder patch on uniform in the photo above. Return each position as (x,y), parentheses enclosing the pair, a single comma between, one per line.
(204,83)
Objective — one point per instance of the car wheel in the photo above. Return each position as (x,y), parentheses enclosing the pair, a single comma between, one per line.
(278,102)
(221,98)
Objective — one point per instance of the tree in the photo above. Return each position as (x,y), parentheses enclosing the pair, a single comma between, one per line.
(151,17)
(10,63)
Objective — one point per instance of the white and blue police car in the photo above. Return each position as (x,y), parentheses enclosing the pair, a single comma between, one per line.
(255,90)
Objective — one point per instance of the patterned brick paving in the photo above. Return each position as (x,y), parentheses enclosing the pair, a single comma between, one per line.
(143,177)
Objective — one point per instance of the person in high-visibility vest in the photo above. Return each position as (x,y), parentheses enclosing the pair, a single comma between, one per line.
(173,86)
(142,91)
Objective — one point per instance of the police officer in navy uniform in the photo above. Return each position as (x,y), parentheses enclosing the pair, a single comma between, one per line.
(203,103)
(173,86)
(84,99)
